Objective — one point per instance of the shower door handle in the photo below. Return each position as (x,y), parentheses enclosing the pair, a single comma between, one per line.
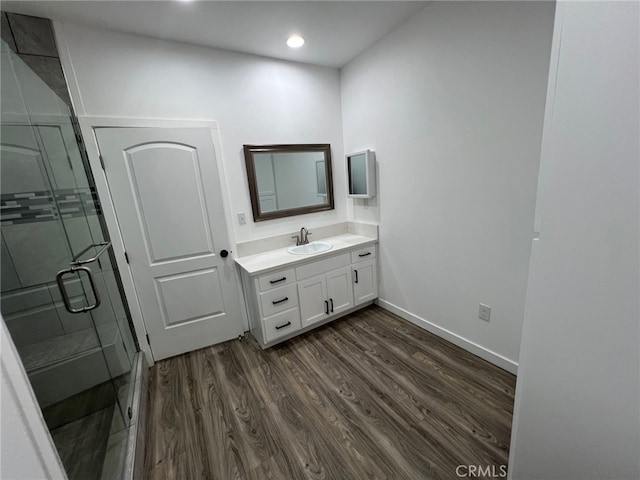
(65,295)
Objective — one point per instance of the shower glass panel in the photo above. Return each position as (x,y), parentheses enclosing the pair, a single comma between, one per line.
(79,364)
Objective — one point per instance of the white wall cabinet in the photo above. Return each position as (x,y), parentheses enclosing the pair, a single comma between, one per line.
(290,301)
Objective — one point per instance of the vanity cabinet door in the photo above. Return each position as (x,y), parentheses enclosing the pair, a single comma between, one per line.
(339,290)
(312,296)
(365,281)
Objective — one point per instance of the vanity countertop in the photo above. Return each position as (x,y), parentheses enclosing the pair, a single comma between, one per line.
(276,259)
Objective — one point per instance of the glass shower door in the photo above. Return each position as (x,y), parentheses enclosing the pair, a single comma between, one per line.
(60,291)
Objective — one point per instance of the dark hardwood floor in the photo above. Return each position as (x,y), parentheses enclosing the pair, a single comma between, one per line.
(367,396)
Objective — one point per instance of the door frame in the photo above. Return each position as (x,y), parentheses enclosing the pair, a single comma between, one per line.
(88,124)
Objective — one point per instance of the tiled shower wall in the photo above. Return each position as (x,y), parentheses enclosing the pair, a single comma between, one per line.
(47,208)
(32,39)
(36,161)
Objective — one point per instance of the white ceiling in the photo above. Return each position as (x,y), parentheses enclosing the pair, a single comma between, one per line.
(335,31)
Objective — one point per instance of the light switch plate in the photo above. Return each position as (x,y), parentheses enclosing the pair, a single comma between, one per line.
(484,312)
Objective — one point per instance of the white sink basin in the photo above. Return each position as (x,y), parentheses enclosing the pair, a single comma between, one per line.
(309,248)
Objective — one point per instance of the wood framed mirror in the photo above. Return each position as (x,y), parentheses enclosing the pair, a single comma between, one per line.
(287,180)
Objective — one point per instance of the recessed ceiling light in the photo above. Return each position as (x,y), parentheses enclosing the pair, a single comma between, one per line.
(295,41)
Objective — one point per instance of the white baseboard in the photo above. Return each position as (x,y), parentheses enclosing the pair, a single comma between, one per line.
(482,352)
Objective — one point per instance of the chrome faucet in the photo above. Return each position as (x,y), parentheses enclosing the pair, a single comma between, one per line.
(303,238)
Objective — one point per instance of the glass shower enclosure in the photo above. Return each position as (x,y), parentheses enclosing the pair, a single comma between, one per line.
(61,296)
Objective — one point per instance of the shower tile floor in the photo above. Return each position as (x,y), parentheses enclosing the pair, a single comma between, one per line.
(91,447)
(82,444)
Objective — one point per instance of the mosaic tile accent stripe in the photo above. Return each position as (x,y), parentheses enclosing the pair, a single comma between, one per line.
(29,207)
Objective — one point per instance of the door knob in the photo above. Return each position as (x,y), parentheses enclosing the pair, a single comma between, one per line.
(224,253)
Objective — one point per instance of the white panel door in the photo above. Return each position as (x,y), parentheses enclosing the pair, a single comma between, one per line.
(312,295)
(165,187)
(339,290)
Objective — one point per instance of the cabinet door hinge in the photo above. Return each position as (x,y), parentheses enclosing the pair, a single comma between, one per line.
(126,257)
(102,162)
(148,341)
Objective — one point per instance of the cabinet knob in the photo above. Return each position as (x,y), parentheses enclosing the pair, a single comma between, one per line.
(224,253)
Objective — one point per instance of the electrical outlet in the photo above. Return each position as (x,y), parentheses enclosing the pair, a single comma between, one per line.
(484,312)
(242,218)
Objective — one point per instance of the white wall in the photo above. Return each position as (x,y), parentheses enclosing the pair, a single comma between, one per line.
(577,397)
(254,100)
(452,102)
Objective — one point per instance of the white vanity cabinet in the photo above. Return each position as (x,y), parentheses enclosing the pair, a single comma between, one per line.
(314,300)
(294,299)
(365,275)
(325,295)
(274,303)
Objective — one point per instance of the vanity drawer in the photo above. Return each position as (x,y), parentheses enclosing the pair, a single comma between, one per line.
(322,266)
(278,300)
(276,279)
(363,254)
(281,324)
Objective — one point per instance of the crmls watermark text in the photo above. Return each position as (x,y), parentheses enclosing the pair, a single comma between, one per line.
(484,471)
